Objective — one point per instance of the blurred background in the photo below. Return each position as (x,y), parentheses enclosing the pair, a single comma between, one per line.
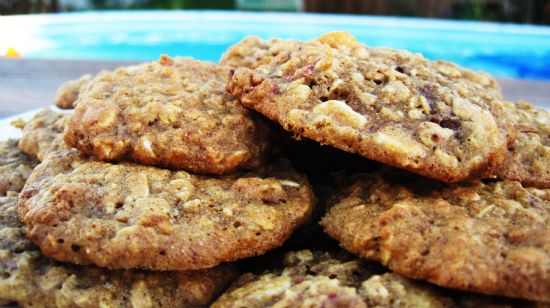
(517,11)
(507,38)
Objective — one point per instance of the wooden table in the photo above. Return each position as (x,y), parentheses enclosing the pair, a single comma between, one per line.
(27,84)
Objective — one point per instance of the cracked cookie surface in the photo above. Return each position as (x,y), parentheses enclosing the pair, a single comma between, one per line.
(43,134)
(173,113)
(491,237)
(15,167)
(130,216)
(32,280)
(387,105)
(528,158)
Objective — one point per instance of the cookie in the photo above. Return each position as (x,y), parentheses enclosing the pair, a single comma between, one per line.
(528,158)
(68,93)
(32,280)
(173,113)
(311,279)
(482,79)
(43,134)
(490,237)
(388,105)
(336,279)
(15,167)
(252,52)
(132,216)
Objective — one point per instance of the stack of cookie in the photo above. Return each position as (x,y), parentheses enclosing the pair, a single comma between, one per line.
(170,177)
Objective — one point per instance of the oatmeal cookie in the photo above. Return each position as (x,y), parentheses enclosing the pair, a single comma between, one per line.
(528,158)
(481,78)
(337,279)
(131,216)
(68,93)
(323,279)
(32,280)
(252,52)
(43,134)
(173,113)
(15,167)
(387,105)
(490,238)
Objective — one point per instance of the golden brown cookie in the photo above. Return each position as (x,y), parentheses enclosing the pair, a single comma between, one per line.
(43,134)
(131,216)
(528,158)
(481,78)
(322,279)
(491,237)
(171,112)
(15,167)
(252,51)
(32,280)
(337,279)
(388,105)
(68,93)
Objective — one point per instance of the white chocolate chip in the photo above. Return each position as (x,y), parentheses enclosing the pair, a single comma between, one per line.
(145,148)
(302,92)
(289,183)
(227,211)
(191,204)
(432,134)
(341,112)
(400,143)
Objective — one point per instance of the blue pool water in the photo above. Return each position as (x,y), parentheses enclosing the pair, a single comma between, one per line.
(501,49)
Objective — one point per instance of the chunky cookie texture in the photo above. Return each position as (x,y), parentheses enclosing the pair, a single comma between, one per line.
(171,112)
(43,134)
(32,280)
(130,216)
(338,279)
(491,237)
(252,51)
(528,158)
(387,105)
(68,93)
(323,279)
(15,167)
(481,78)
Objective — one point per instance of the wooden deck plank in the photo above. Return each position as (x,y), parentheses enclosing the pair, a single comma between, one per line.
(27,84)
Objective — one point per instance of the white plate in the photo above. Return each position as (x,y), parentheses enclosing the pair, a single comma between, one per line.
(7,131)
